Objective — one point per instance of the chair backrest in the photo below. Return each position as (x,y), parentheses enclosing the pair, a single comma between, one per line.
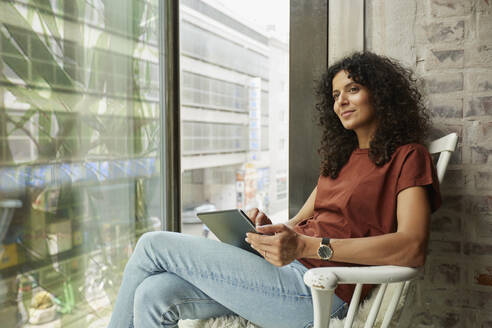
(445,146)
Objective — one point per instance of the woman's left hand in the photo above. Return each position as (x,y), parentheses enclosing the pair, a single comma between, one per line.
(279,244)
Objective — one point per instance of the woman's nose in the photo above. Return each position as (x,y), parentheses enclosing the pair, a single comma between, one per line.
(342,99)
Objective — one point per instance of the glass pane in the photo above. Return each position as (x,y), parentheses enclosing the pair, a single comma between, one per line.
(79,136)
(234,108)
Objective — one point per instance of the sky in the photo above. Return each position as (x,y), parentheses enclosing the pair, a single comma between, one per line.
(263,12)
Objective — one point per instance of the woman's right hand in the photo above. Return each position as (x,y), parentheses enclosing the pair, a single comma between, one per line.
(258,218)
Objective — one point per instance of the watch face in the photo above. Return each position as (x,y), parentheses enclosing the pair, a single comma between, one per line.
(324,252)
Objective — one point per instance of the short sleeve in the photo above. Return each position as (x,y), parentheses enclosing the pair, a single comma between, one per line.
(419,170)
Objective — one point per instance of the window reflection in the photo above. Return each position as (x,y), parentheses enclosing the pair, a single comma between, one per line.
(79,135)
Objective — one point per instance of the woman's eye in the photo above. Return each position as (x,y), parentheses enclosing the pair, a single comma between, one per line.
(335,96)
(354,89)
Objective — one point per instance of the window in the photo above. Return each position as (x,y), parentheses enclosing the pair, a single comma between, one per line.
(281,144)
(79,133)
(212,138)
(282,116)
(232,94)
(281,185)
(208,92)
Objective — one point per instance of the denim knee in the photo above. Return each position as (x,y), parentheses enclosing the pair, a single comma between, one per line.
(144,247)
(155,304)
(147,238)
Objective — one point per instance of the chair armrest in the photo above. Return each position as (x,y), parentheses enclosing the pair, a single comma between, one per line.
(328,278)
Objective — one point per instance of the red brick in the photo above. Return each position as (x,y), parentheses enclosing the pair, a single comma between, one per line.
(484,279)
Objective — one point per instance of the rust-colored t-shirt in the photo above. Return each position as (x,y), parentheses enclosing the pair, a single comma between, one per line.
(361,201)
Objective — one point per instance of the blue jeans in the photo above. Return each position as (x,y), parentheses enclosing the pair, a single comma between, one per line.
(172,276)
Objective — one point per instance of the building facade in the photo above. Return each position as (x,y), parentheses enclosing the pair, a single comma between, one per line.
(234,82)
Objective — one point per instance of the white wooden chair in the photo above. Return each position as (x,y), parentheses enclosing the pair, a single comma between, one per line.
(323,281)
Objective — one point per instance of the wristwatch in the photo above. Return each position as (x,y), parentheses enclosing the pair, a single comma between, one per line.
(325,252)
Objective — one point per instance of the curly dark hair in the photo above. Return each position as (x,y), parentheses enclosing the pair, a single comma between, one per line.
(397,101)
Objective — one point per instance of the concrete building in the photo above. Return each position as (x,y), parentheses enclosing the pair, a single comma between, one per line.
(234,110)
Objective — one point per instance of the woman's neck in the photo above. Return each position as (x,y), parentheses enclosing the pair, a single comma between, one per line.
(365,136)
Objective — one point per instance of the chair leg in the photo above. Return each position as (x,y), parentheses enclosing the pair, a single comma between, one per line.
(322,314)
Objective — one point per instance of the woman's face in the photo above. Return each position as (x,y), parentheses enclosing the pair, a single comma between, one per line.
(352,105)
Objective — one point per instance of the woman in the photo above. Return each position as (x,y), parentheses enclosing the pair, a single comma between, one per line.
(371,206)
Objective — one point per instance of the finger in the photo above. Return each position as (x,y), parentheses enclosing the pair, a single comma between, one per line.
(261,219)
(261,244)
(270,229)
(252,213)
(275,256)
(267,252)
(272,256)
(272,252)
(266,220)
(259,240)
(276,235)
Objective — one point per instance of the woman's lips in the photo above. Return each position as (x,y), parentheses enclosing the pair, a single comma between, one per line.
(347,113)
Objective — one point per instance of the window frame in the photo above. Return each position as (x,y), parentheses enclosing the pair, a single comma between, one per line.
(170,155)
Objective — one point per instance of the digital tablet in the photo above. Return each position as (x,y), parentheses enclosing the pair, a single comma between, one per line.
(230,226)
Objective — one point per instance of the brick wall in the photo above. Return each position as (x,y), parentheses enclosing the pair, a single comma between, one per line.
(449,44)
